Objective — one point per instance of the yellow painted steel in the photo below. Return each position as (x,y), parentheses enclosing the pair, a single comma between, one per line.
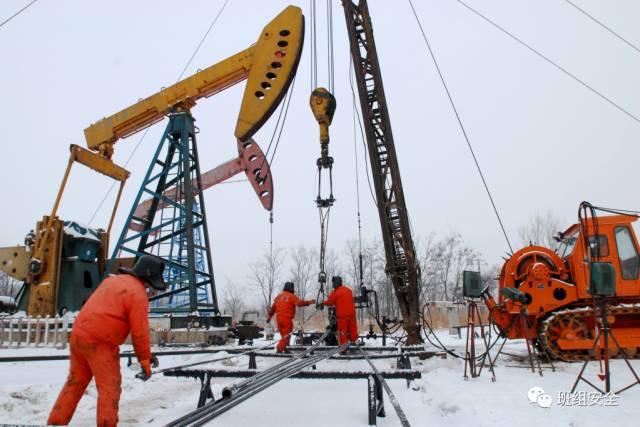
(43,289)
(276,57)
(98,163)
(323,106)
(269,61)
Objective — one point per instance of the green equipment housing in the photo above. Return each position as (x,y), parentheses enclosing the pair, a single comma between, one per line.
(603,279)
(472,284)
(79,273)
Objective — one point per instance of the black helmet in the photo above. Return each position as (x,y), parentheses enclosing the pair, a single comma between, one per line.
(288,286)
(336,281)
(148,268)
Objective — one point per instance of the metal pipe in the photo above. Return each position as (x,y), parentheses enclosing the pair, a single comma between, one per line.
(245,389)
(206,413)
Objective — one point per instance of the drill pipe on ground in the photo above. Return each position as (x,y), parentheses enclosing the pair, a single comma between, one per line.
(208,412)
(251,386)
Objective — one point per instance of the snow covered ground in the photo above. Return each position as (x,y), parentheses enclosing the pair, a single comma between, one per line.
(441,397)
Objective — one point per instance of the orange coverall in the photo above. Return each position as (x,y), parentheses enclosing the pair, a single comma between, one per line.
(342,298)
(118,306)
(284,307)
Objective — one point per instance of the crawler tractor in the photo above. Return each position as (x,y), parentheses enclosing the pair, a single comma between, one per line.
(544,294)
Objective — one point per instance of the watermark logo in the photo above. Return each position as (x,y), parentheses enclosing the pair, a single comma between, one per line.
(584,398)
(538,396)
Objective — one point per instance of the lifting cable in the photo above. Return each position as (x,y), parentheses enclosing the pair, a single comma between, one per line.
(324,162)
(330,60)
(357,172)
(6,21)
(464,132)
(587,14)
(146,131)
(360,126)
(313,50)
(547,59)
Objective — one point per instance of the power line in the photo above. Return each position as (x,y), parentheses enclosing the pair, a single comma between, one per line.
(146,131)
(631,45)
(204,37)
(17,13)
(564,70)
(464,132)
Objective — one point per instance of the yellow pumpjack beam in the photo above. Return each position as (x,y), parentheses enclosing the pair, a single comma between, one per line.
(269,66)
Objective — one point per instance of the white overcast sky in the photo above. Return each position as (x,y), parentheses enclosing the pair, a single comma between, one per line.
(544,141)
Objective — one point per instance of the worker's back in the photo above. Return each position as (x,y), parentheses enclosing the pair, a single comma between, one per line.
(285,305)
(120,304)
(342,297)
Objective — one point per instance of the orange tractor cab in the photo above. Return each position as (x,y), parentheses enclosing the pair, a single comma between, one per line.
(544,294)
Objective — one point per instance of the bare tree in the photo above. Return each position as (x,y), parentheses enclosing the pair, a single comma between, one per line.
(302,275)
(233,299)
(465,258)
(266,273)
(540,230)
(489,277)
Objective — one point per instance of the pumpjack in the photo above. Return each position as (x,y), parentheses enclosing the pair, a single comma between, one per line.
(62,262)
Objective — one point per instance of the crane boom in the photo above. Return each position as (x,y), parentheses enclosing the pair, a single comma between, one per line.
(402,266)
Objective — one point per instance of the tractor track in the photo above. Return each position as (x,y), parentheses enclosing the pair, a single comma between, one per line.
(576,318)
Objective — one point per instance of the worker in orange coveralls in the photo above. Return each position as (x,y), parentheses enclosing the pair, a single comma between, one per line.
(342,298)
(284,307)
(118,306)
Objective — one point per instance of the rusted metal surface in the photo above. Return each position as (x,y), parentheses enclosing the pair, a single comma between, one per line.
(401,267)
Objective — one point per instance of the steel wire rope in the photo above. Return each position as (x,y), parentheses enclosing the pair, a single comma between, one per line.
(364,145)
(443,347)
(146,131)
(313,51)
(462,128)
(550,61)
(587,14)
(284,120)
(330,62)
(6,21)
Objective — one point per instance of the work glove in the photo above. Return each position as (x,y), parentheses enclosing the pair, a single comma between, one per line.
(145,374)
(154,361)
(320,306)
